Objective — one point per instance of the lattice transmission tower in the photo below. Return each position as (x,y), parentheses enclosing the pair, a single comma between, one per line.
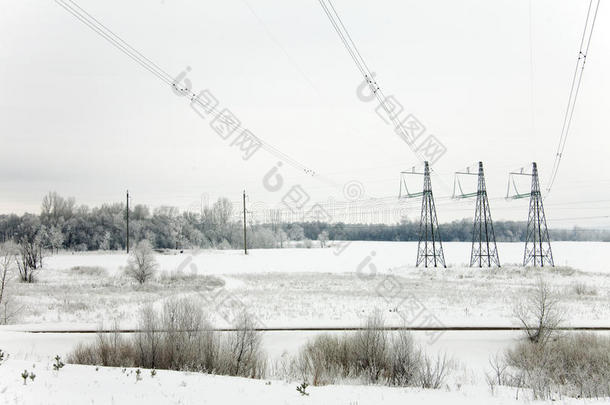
(429,247)
(537,242)
(484,249)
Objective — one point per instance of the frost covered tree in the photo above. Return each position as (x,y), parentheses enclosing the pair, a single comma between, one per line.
(142,264)
(55,238)
(323,238)
(296,232)
(105,242)
(56,210)
(8,263)
(281,237)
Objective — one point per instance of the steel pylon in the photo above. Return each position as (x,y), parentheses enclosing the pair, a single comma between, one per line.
(537,243)
(484,250)
(429,247)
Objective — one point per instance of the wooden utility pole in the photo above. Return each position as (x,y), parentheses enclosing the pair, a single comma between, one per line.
(127,221)
(245,240)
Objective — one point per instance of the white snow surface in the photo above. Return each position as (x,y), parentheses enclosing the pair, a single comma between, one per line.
(585,256)
(76,384)
(287,287)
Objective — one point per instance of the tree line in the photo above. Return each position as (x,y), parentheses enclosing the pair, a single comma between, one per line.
(62,224)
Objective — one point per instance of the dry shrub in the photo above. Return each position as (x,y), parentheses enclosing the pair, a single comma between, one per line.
(405,360)
(148,340)
(371,348)
(190,279)
(581,288)
(323,360)
(91,271)
(576,365)
(109,349)
(243,354)
(539,313)
(371,355)
(433,371)
(179,337)
(499,374)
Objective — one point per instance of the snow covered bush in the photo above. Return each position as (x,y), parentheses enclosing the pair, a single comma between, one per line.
(224,245)
(323,360)
(371,348)
(404,360)
(432,371)
(244,355)
(179,337)
(539,313)
(142,264)
(148,340)
(371,355)
(581,288)
(576,365)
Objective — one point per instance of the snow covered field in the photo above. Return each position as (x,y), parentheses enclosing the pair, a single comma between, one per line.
(339,258)
(336,286)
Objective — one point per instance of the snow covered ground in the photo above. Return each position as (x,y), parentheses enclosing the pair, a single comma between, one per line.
(340,258)
(336,286)
(75,384)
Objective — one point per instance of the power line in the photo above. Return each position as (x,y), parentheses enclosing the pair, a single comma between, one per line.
(116,41)
(362,66)
(352,49)
(574,89)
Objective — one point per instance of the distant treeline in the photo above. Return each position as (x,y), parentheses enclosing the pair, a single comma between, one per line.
(62,224)
(505,231)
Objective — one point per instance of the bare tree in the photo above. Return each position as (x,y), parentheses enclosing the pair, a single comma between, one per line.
(55,209)
(29,259)
(245,348)
(8,262)
(9,253)
(539,313)
(142,264)
(275,219)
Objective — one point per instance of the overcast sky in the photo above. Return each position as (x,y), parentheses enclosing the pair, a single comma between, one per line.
(79,117)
